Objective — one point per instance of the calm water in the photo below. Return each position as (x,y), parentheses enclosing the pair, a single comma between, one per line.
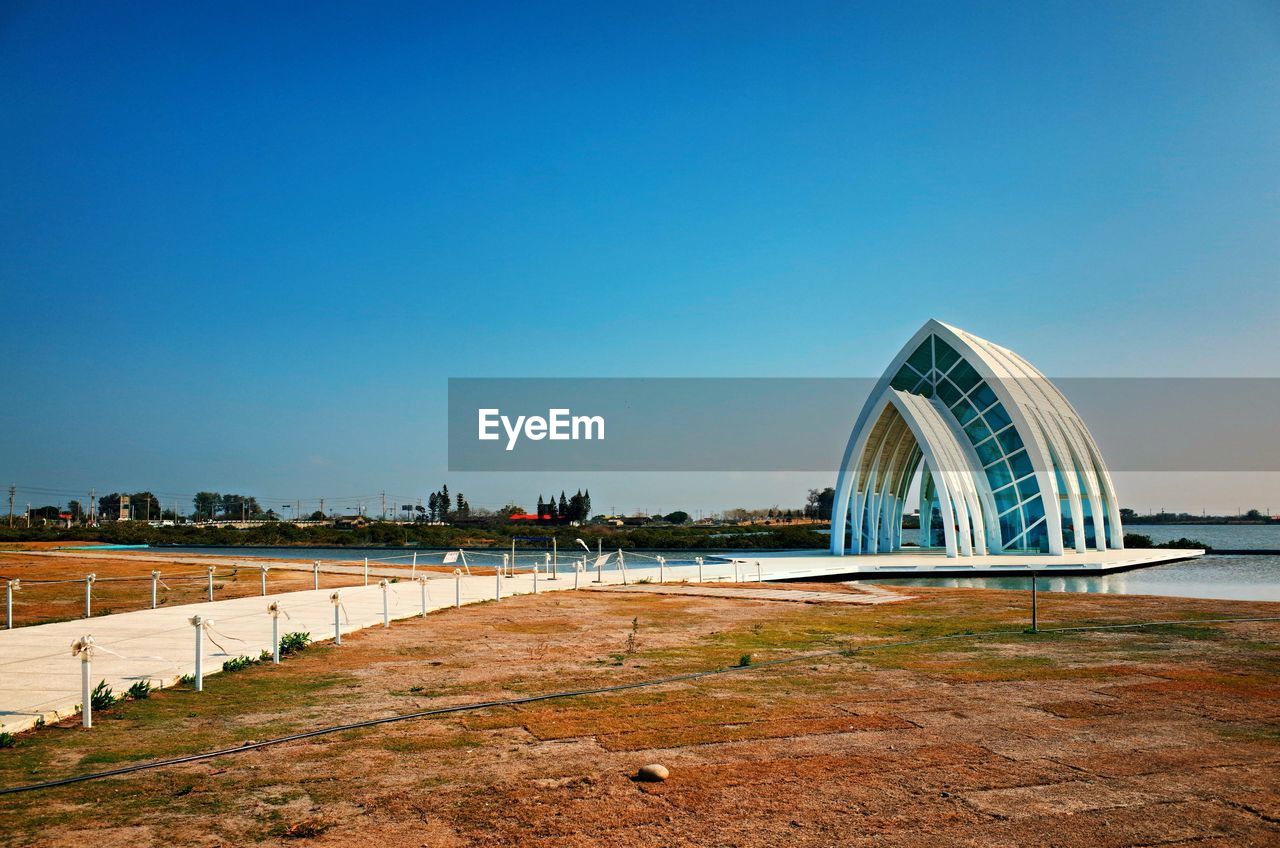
(1229,536)
(1244,577)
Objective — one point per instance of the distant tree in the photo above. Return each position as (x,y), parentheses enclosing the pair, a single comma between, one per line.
(316,516)
(542,507)
(206,504)
(564,505)
(443,503)
(819,503)
(1127,514)
(77,512)
(464,508)
(50,512)
(677,517)
(433,506)
(586,504)
(1253,513)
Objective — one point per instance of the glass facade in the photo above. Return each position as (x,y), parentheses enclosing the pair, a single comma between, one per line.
(936,370)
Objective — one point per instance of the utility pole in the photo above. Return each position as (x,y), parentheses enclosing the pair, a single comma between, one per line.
(13,490)
(383,517)
(93,506)
(322,507)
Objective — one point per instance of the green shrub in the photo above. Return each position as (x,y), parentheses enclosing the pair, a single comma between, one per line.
(139,691)
(7,739)
(292,643)
(102,698)
(744,661)
(238,664)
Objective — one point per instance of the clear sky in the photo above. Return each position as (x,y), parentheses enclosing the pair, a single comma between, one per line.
(243,246)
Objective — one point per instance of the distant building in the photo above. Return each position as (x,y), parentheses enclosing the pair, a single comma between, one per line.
(1005,462)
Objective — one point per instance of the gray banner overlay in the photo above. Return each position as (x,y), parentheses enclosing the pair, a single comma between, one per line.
(803,424)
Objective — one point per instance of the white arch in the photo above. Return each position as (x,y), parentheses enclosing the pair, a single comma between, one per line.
(879,460)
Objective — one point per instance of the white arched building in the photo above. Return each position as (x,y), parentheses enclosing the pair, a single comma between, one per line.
(1005,463)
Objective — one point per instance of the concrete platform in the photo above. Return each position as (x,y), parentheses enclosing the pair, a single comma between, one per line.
(801,565)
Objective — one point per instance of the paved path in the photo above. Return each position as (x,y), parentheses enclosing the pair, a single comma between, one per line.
(743,592)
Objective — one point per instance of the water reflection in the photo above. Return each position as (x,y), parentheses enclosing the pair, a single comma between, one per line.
(1233,578)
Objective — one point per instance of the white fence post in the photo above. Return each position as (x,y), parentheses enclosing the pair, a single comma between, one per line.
(315,574)
(497,585)
(698,560)
(10,587)
(662,569)
(336,599)
(211,582)
(413,572)
(83,647)
(535,577)
(274,609)
(759,579)
(457,587)
(622,565)
(155,578)
(264,579)
(386,613)
(423,581)
(577,571)
(366,571)
(88,594)
(198,623)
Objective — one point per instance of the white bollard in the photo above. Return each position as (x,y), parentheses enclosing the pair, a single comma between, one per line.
(274,609)
(759,579)
(535,578)
(366,571)
(315,574)
(88,594)
(10,587)
(551,567)
(423,581)
(698,560)
(457,587)
(662,570)
(211,582)
(386,613)
(198,623)
(155,578)
(413,572)
(577,570)
(622,565)
(497,585)
(337,625)
(264,580)
(83,647)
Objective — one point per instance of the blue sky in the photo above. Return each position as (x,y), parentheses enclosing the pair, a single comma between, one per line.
(243,247)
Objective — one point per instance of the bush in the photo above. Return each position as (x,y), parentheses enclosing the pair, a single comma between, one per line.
(292,643)
(744,661)
(1141,540)
(7,739)
(139,691)
(238,664)
(102,698)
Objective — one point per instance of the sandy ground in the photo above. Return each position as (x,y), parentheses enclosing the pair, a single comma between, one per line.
(1106,738)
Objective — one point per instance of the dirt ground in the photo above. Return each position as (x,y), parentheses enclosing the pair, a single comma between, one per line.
(1166,736)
